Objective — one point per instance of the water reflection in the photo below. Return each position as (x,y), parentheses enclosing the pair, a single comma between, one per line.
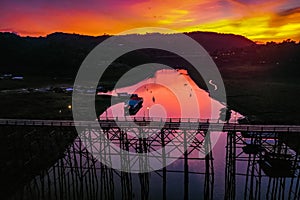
(79,175)
(169,94)
(250,169)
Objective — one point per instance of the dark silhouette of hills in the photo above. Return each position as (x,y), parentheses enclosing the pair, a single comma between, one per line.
(217,41)
(57,54)
(60,54)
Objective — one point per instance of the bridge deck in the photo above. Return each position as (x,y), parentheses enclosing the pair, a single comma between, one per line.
(171,123)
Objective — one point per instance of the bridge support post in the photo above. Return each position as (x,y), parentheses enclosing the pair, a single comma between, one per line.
(209,168)
(230,171)
(186,167)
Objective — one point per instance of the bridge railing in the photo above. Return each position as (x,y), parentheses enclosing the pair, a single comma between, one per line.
(159,119)
(202,124)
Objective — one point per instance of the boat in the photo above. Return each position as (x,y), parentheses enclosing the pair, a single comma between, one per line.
(252,149)
(278,165)
(133,105)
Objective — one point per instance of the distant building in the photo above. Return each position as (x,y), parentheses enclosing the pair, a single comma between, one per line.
(123,94)
(17,78)
(10,77)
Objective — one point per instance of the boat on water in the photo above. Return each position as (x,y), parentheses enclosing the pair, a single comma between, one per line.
(133,105)
(278,165)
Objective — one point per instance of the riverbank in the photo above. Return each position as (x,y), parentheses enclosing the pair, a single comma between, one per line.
(251,90)
(48,105)
(254,92)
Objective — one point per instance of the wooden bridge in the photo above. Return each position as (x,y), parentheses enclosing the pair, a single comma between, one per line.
(170,123)
(53,149)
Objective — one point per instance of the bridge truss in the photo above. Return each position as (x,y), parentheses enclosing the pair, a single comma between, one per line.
(56,164)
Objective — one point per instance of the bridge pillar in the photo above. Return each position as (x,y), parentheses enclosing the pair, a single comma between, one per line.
(230,171)
(209,168)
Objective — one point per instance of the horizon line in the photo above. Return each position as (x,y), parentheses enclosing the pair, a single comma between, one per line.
(146,33)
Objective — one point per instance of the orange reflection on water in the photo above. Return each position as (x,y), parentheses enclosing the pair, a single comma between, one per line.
(170,94)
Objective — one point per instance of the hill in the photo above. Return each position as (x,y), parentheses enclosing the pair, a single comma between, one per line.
(60,54)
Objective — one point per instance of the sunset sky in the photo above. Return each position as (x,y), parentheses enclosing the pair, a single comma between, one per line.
(259,20)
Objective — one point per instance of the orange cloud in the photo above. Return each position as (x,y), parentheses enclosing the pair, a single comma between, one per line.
(260,23)
(262,28)
(258,20)
(175,13)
